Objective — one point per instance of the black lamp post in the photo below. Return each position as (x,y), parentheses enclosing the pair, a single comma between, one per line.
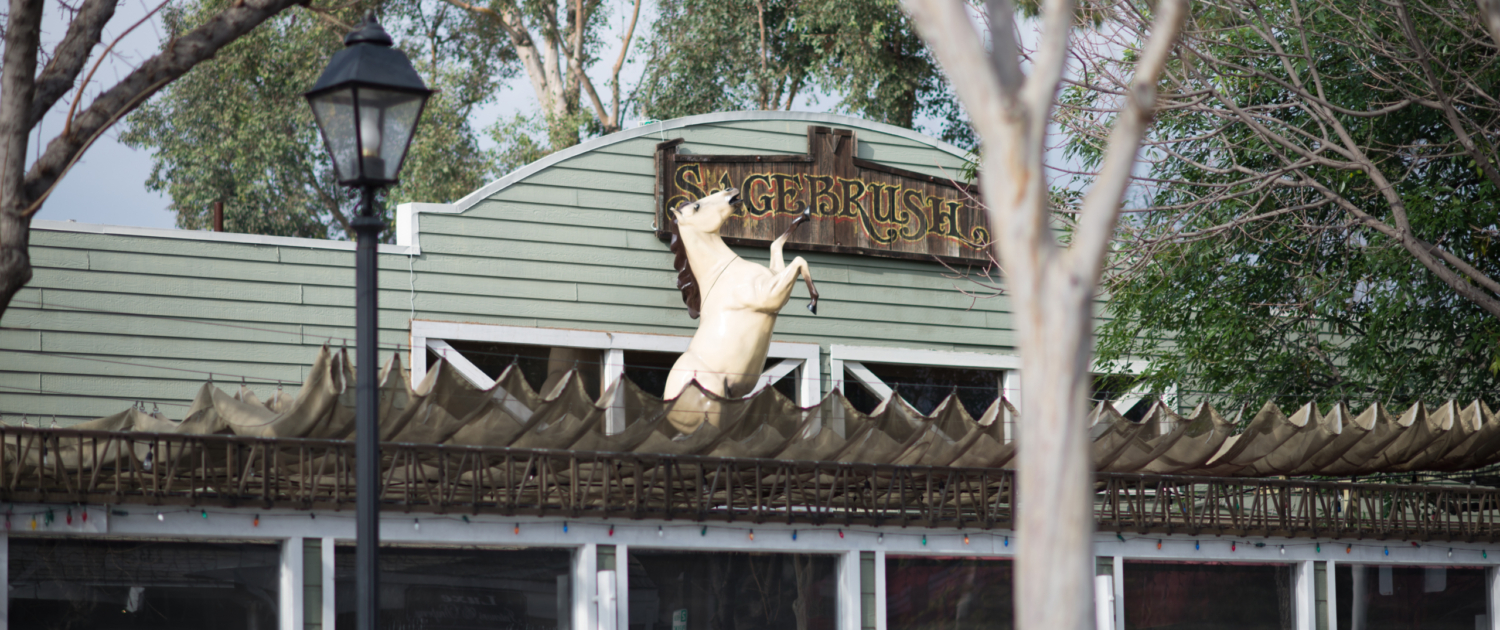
(367,104)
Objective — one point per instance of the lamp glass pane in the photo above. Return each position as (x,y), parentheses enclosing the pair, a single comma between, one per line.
(387,120)
(334,111)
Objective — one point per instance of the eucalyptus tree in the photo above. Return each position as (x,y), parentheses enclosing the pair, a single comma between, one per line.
(27,94)
(557,42)
(865,55)
(1051,284)
(1320,219)
(238,131)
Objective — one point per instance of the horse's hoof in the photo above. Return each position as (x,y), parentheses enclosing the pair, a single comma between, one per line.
(813,306)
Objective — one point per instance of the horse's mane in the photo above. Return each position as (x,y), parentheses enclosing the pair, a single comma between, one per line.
(686,281)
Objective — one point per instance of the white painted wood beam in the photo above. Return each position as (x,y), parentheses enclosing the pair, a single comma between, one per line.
(848,591)
(330,586)
(868,379)
(613,373)
(291,592)
(461,363)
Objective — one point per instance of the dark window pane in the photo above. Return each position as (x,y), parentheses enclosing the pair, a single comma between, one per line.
(142,585)
(1381,597)
(648,370)
(542,366)
(931,593)
(731,591)
(925,387)
(788,384)
(493,358)
(462,589)
(1207,596)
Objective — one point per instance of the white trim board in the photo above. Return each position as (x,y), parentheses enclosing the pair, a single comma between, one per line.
(408,221)
(200,235)
(910,356)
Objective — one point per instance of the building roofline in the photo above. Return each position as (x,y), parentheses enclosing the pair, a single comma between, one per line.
(470,200)
(408,223)
(201,235)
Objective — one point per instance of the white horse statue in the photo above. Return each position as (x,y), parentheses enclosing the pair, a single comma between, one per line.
(738,300)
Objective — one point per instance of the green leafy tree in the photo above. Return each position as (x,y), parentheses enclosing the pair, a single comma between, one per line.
(239,131)
(1319,216)
(556,43)
(715,55)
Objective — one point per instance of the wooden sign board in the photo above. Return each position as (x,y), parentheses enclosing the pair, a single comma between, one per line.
(858,206)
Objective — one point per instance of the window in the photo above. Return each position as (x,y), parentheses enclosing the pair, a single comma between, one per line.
(93,583)
(746,591)
(1378,597)
(1207,595)
(943,593)
(924,378)
(482,351)
(462,588)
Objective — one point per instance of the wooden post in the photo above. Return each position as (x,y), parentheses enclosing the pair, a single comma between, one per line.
(218,216)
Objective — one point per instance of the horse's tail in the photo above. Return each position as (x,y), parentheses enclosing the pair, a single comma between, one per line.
(686,281)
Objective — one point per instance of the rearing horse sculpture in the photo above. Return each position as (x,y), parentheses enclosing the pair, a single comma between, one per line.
(738,300)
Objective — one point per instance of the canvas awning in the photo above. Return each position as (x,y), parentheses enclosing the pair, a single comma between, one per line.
(445,408)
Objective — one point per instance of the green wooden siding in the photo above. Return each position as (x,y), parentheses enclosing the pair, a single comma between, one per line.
(114,318)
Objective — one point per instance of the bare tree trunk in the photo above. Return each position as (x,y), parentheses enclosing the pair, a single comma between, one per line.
(17,89)
(1051,287)
(23,191)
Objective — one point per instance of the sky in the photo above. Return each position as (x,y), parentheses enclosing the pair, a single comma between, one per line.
(108,184)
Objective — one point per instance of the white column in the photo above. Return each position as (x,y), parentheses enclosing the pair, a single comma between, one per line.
(290,599)
(585,571)
(1010,387)
(880,620)
(1304,596)
(330,585)
(849,591)
(418,356)
(1119,569)
(835,382)
(622,587)
(607,597)
(613,372)
(1104,602)
(810,384)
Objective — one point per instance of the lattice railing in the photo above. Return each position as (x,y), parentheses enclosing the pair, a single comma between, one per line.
(66,466)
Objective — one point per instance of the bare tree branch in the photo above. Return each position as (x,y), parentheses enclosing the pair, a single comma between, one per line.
(179,56)
(1101,206)
(70,55)
(614,71)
